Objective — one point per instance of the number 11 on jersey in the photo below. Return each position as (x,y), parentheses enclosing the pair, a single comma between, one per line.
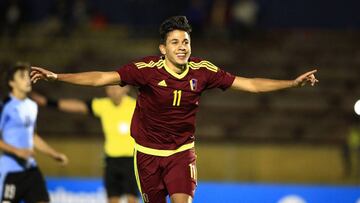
(177,97)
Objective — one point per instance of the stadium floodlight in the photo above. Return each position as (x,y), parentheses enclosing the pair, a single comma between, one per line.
(357,107)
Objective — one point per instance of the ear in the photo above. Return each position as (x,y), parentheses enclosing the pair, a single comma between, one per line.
(162,49)
(11,84)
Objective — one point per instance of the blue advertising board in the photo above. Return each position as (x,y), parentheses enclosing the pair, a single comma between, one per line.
(80,190)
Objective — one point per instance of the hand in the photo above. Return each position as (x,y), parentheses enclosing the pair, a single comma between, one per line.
(38,98)
(38,73)
(61,158)
(24,153)
(305,78)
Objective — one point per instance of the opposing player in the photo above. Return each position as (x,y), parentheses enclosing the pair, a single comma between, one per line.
(115,112)
(163,123)
(20,178)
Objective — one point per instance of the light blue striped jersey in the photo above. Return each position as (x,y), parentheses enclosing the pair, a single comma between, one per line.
(17,124)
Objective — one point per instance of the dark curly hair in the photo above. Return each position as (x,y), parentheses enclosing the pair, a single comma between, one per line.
(19,66)
(173,23)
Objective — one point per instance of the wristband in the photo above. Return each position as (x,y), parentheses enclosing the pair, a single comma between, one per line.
(53,103)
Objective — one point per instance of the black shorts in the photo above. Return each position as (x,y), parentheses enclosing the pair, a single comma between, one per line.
(28,186)
(119,176)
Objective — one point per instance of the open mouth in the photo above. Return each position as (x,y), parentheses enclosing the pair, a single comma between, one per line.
(181,56)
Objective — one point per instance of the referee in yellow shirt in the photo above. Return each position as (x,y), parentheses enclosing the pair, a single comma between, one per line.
(115,112)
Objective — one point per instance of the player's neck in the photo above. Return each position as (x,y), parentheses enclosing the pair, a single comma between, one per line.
(18,94)
(176,68)
(116,102)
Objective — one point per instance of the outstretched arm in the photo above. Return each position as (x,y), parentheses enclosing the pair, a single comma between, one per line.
(73,106)
(257,85)
(45,148)
(67,105)
(94,78)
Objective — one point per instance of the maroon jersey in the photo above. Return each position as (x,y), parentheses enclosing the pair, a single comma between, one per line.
(167,103)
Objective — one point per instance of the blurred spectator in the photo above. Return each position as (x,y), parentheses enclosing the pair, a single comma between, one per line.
(98,20)
(243,17)
(218,17)
(81,12)
(11,12)
(65,11)
(235,17)
(71,13)
(197,14)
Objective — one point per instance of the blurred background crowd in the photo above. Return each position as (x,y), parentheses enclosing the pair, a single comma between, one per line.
(304,135)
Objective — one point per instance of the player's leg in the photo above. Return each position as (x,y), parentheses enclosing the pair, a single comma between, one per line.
(129,181)
(36,187)
(113,199)
(148,172)
(180,176)
(120,180)
(181,198)
(132,199)
(128,198)
(111,182)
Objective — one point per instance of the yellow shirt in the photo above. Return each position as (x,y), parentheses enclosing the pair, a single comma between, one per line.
(116,122)
(354,138)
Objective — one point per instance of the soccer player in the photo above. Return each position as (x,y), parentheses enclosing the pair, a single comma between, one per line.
(20,178)
(163,123)
(115,112)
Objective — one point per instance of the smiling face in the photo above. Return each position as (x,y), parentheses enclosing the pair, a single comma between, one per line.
(177,48)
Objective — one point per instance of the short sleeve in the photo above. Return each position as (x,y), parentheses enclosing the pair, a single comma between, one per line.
(220,79)
(130,74)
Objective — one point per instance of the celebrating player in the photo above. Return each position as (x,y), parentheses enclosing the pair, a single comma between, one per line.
(163,123)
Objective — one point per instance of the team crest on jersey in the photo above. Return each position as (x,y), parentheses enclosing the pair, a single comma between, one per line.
(193,84)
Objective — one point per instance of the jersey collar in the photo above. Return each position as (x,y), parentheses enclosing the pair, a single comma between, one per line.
(173,73)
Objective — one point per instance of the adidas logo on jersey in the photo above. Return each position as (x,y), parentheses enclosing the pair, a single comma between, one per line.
(162,83)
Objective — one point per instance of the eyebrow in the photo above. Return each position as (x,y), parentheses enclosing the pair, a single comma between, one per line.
(178,40)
